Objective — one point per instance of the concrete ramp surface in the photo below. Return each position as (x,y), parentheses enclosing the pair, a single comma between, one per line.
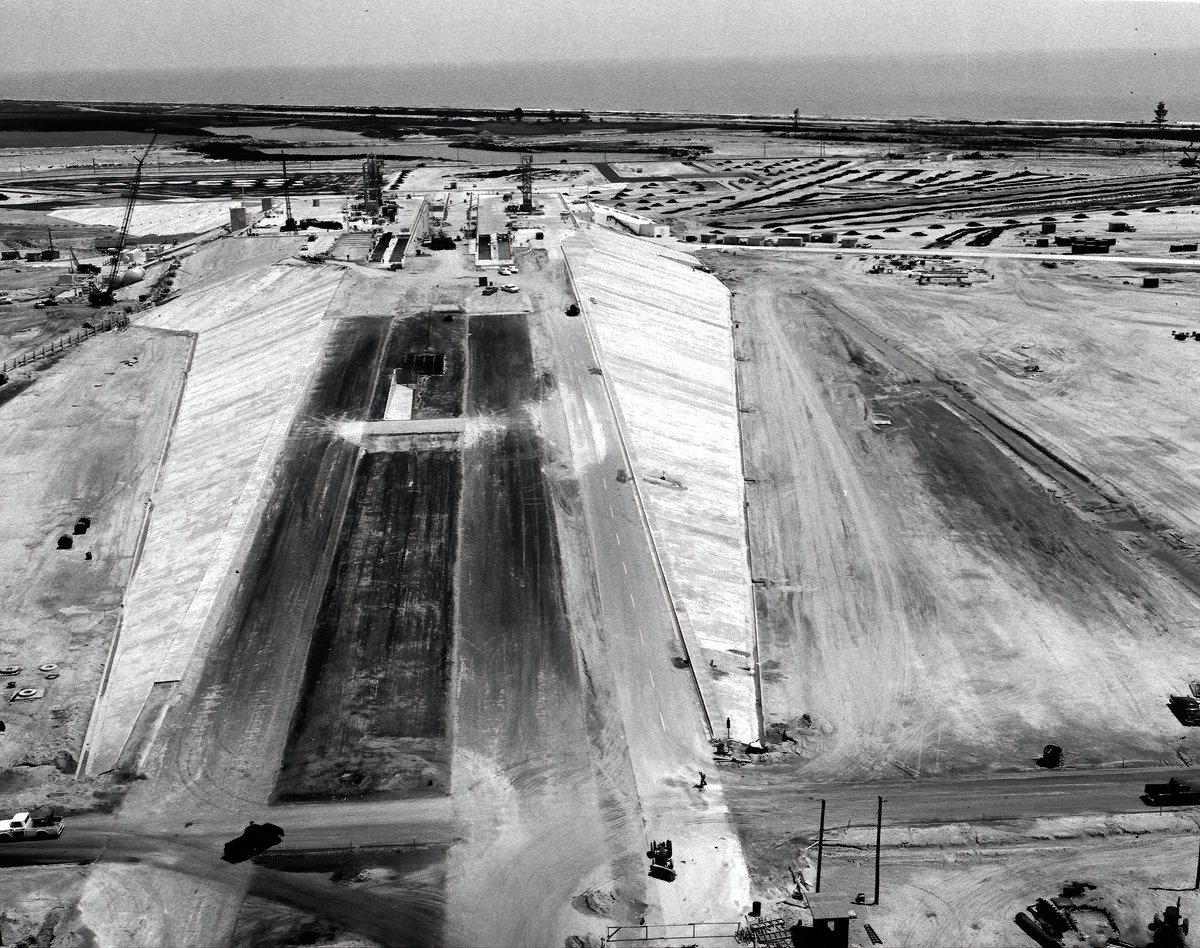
(663,331)
(257,337)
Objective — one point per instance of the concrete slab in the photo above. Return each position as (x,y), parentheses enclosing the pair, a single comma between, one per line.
(163,217)
(663,330)
(257,338)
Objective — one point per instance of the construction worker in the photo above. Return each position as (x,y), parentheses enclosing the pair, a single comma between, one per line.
(703,781)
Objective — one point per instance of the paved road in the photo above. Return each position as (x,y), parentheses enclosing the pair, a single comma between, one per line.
(924,801)
(408,917)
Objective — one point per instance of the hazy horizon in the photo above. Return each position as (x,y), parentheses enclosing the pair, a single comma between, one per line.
(1117,85)
(221,34)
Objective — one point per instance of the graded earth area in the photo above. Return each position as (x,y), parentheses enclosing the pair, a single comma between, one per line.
(797,467)
(930,606)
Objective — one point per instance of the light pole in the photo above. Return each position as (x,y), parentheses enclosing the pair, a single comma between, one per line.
(879,833)
(820,845)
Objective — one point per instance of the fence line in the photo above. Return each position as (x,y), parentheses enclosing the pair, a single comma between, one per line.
(58,345)
(692,931)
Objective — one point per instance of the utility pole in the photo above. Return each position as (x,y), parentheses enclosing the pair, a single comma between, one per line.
(879,834)
(820,845)
(1197,886)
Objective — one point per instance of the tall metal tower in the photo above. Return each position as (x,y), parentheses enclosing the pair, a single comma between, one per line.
(289,222)
(527,182)
(372,185)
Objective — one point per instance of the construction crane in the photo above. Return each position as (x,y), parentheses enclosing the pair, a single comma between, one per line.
(289,222)
(104,297)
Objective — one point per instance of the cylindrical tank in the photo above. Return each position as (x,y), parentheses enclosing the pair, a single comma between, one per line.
(133,275)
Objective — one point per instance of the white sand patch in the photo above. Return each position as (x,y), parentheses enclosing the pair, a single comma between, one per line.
(162,217)
(258,338)
(664,334)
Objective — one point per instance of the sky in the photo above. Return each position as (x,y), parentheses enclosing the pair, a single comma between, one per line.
(90,35)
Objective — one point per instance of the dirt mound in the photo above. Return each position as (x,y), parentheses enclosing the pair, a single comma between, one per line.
(596,901)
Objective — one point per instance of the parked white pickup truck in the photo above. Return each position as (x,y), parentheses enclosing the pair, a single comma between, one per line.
(40,824)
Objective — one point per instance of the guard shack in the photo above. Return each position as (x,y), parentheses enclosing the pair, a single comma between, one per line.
(831,914)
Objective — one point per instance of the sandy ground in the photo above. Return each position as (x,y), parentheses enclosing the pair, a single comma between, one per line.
(939,894)
(1103,393)
(923,599)
(83,439)
(39,905)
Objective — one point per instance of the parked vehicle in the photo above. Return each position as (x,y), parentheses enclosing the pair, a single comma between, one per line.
(256,839)
(662,862)
(489,290)
(42,823)
(1172,793)
(510,288)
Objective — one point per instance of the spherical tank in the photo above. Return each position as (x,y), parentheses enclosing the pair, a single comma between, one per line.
(133,275)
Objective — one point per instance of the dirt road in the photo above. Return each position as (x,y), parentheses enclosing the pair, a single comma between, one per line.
(522,778)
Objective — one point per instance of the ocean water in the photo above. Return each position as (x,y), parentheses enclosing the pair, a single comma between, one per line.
(1108,86)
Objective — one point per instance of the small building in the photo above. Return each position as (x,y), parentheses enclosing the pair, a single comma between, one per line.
(1090,245)
(267,203)
(237,218)
(1049,227)
(825,237)
(1119,227)
(831,914)
(648,228)
(848,242)
(33,255)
